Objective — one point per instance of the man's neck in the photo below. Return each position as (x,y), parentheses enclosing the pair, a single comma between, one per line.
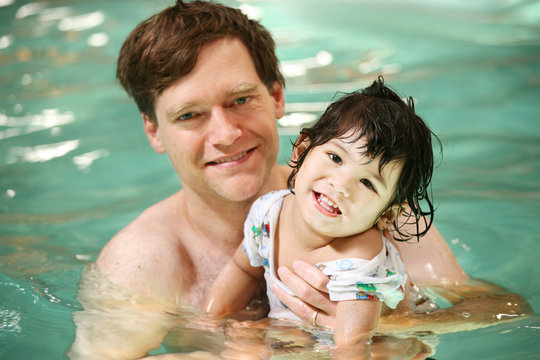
(217,222)
(221,221)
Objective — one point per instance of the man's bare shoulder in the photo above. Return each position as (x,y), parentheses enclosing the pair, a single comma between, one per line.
(430,260)
(146,254)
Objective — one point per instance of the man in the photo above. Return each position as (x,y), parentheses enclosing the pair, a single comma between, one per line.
(207,83)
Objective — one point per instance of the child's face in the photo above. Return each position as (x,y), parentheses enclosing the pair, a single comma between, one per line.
(340,192)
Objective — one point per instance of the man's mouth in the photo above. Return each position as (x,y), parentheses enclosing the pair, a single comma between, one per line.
(235,157)
(327,204)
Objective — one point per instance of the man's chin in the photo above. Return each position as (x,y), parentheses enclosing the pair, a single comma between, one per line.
(240,190)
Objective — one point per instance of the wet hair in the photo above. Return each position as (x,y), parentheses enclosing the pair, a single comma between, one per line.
(393,131)
(165,47)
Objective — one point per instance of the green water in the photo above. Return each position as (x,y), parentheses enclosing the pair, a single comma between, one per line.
(75,166)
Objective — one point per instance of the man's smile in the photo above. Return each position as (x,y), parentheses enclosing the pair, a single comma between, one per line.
(232,158)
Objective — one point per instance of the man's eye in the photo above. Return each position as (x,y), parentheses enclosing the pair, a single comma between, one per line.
(241,100)
(335,158)
(186,116)
(368,184)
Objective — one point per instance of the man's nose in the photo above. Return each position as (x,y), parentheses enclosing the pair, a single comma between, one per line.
(223,128)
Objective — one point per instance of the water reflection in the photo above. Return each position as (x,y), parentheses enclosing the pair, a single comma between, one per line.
(84,161)
(40,153)
(6,41)
(300,67)
(22,125)
(81,22)
(29,9)
(98,39)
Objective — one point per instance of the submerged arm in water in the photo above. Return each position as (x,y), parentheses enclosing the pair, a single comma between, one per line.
(114,323)
(475,304)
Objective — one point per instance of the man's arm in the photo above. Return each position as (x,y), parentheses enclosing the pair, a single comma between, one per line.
(145,258)
(127,294)
(430,262)
(476,304)
(116,323)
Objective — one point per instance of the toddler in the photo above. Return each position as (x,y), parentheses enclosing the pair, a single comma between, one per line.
(366,161)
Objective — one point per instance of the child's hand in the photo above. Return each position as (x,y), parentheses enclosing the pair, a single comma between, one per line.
(309,285)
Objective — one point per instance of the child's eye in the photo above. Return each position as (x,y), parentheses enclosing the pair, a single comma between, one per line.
(368,184)
(335,158)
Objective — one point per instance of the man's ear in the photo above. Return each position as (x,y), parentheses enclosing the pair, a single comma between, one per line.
(152,133)
(299,147)
(389,216)
(279,99)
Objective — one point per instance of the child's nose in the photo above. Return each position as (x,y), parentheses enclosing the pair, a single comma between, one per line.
(340,185)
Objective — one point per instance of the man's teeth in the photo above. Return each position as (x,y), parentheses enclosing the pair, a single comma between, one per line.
(328,204)
(233,158)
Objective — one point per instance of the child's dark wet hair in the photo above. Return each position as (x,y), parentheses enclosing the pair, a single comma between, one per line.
(393,131)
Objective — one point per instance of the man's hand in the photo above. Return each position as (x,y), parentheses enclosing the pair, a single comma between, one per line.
(309,284)
(476,304)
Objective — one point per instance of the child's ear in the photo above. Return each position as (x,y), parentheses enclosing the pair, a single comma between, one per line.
(300,146)
(390,215)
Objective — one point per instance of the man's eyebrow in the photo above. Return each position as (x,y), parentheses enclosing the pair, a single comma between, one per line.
(175,110)
(242,89)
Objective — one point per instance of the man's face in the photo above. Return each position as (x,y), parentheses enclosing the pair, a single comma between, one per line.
(218,124)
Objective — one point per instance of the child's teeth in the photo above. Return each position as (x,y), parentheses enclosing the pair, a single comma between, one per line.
(328,201)
(328,204)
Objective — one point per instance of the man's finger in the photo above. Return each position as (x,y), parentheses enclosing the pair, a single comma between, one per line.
(305,292)
(302,309)
(311,274)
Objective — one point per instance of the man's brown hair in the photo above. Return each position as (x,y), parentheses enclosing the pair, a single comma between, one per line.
(165,47)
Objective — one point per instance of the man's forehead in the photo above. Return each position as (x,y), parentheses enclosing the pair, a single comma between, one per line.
(224,69)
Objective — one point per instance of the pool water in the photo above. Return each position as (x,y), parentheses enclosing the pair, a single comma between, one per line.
(75,166)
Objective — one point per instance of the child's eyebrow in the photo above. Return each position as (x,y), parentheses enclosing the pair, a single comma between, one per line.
(340,144)
(379,178)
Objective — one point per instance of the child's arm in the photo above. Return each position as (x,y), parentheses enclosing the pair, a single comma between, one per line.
(235,285)
(356,321)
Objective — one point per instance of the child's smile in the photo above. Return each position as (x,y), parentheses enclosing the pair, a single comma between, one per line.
(325,205)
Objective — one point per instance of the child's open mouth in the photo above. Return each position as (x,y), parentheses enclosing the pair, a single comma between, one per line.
(329,207)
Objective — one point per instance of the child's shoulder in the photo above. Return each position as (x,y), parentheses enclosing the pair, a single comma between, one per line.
(365,245)
(269,198)
(273,195)
(268,204)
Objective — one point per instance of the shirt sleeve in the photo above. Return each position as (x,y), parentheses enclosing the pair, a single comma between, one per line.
(253,235)
(382,278)
(259,225)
